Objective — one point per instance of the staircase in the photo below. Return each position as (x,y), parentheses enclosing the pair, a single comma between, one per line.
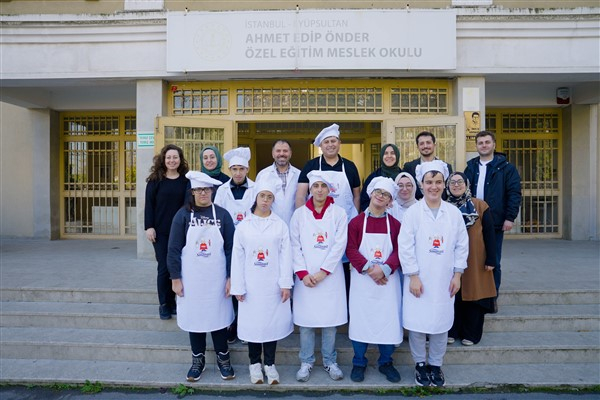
(57,335)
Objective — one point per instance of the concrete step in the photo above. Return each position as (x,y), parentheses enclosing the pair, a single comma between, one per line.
(143,296)
(576,317)
(173,347)
(164,375)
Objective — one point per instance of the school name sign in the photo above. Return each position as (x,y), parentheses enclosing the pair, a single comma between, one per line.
(309,40)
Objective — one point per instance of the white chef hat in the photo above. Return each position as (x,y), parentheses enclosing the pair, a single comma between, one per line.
(201,180)
(238,156)
(428,166)
(320,176)
(383,183)
(268,184)
(332,130)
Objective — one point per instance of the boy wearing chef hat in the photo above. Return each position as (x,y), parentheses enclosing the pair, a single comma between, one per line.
(318,233)
(433,246)
(200,245)
(375,294)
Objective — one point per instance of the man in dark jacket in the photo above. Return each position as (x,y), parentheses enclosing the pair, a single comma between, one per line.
(496,181)
(426,145)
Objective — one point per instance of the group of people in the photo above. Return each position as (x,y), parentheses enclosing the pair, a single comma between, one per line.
(249,260)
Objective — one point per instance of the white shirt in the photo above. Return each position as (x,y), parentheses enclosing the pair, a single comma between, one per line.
(481,180)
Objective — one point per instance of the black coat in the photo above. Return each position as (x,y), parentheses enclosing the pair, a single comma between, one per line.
(502,188)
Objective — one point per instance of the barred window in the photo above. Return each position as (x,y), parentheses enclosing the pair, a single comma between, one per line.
(419,101)
(203,101)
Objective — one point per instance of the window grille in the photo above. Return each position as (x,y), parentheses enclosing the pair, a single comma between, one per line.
(445,136)
(192,140)
(419,101)
(201,101)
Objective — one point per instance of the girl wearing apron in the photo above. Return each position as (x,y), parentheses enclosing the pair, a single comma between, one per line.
(433,245)
(318,233)
(199,260)
(261,280)
(375,294)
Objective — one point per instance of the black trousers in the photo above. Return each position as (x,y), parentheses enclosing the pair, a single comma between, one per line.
(468,320)
(255,350)
(166,295)
(219,338)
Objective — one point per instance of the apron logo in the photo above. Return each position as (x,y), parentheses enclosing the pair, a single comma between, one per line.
(436,242)
(203,248)
(261,256)
(377,255)
(333,191)
(320,238)
(239,216)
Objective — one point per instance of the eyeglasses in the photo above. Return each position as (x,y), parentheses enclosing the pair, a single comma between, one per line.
(407,186)
(202,190)
(459,182)
(379,192)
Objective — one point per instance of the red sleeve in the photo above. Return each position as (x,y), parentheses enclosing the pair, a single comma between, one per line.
(354,238)
(393,261)
(301,274)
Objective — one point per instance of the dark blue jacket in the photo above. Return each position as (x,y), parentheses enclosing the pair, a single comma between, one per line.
(502,187)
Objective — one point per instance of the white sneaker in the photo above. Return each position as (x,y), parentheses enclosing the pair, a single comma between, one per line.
(272,374)
(451,340)
(334,371)
(304,372)
(256,375)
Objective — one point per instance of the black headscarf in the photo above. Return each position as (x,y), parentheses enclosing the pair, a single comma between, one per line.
(464,202)
(390,172)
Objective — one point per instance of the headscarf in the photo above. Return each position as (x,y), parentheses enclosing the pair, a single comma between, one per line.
(217,170)
(464,202)
(412,200)
(389,172)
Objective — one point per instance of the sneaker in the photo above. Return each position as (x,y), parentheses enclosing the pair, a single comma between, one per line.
(303,373)
(334,372)
(358,373)
(391,373)
(436,376)
(467,342)
(256,374)
(272,374)
(451,340)
(422,375)
(224,364)
(164,311)
(198,366)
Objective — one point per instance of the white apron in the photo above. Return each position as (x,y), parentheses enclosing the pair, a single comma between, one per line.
(325,304)
(204,306)
(341,191)
(375,310)
(238,209)
(262,317)
(433,312)
(285,202)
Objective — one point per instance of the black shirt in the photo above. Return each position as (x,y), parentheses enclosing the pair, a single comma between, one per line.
(349,168)
(163,199)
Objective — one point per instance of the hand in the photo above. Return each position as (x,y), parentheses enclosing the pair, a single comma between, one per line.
(285,295)
(376,273)
(151,235)
(319,276)
(309,281)
(381,282)
(240,297)
(415,286)
(228,287)
(489,267)
(177,287)
(507,226)
(455,284)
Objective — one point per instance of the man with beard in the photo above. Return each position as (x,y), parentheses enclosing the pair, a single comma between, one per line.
(285,197)
(426,144)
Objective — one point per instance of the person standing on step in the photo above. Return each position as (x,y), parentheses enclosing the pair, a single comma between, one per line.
(199,262)
(166,191)
(375,296)
(236,196)
(433,245)
(477,295)
(318,233)
(285,199)
(262,279)
(389,161)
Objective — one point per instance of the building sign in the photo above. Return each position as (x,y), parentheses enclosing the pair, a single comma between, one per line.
(308,40)
(145,140)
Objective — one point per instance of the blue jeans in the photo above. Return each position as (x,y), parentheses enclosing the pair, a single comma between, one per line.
(497,271)
(307,345)
(360,348)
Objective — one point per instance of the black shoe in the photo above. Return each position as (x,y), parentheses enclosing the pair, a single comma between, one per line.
(436,376)
(422,374)
(174,309)
(391,373)
(358,373)
(164,311)
(232,334)
(224,364)
(198,366)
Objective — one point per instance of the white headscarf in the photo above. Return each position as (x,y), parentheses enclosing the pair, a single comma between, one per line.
(412,200)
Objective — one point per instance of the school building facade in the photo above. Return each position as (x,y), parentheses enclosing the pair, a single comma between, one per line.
(91,90)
